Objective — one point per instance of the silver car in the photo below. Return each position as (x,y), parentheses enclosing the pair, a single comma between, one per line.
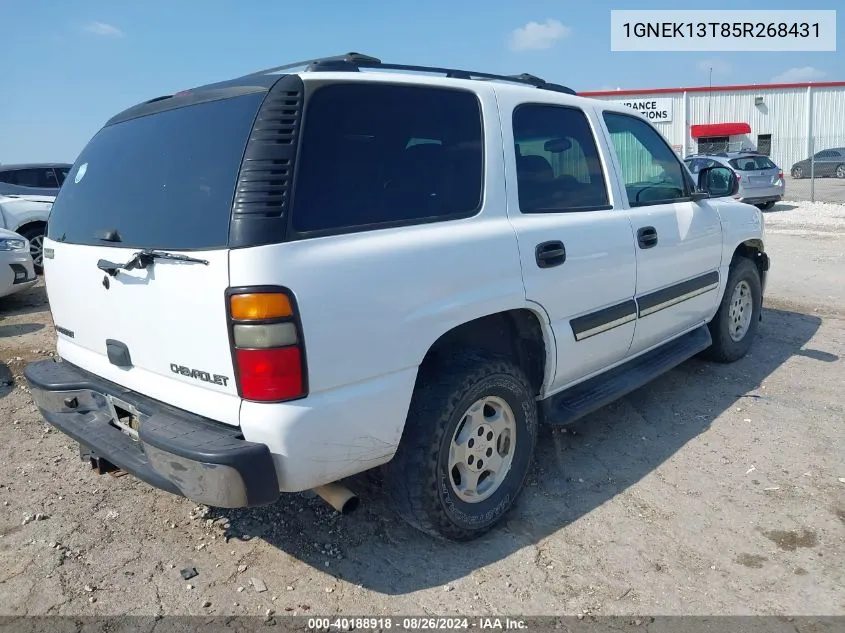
(761,182)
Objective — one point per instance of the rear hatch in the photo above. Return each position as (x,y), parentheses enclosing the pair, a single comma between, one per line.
(757,172)
(163,181)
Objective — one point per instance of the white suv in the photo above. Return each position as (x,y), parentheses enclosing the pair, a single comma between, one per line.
(272,283)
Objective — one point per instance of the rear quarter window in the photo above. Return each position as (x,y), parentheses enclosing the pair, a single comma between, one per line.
(378,155)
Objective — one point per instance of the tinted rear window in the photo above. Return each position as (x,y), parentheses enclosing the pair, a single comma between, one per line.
(752,163)
(375,155)
(165,180)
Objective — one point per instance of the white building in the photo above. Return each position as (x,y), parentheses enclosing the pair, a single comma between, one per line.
(788,122)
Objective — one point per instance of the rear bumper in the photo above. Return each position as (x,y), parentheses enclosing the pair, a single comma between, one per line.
(176,451)
(760,199)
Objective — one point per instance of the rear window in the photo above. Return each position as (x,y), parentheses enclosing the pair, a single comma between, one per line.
(752,163)
(378,155)
(165,180)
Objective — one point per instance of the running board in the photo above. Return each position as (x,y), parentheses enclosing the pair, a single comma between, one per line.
(568,406)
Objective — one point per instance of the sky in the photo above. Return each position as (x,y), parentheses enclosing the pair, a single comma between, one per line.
(69,66)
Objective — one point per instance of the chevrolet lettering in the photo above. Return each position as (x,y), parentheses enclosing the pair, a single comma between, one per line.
(205,376)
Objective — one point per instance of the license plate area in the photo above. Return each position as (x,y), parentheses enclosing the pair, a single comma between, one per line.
(124,416)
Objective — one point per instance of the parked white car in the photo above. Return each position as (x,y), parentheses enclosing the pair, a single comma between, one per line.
(291,279)
(16,268)
(28,216)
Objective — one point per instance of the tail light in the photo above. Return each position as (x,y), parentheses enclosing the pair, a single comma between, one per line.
(780,175)
(267,346)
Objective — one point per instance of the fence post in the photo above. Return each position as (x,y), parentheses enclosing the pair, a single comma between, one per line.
(812,143)
(813,174)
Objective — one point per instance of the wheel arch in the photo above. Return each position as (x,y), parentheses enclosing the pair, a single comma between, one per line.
(520,334)
(28,224)
(754,250)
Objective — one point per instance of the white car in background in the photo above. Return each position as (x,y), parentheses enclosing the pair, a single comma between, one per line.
(27,215)
(17,271)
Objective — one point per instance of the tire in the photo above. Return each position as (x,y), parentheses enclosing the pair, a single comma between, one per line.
(766,205)
(35,235)
(840,171)
(422,487)
(797,172)
(727,348)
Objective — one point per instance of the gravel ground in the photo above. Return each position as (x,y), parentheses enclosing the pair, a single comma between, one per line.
(717,489)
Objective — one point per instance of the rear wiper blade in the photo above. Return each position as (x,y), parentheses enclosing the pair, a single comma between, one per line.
(145,258)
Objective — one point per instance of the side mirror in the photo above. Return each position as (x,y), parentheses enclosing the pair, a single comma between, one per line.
(557,145)
(718,182)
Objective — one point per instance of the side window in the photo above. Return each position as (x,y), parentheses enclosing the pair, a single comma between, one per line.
(61,173)
(557,161)
(650,169)
(29,178)
(48,178)
(9,177)
(376,155)
(698,164)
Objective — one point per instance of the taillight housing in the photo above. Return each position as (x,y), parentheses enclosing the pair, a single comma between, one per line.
(267,347)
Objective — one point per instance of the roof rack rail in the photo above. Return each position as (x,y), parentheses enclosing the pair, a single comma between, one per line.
(353,62)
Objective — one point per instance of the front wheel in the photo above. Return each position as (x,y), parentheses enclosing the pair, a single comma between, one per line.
(840,171)
(35,235)
(797,172)
(467,447)
(735,324)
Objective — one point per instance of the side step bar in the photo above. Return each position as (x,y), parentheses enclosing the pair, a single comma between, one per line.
(584,398)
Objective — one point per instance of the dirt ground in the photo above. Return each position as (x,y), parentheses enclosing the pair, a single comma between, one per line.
(717,489)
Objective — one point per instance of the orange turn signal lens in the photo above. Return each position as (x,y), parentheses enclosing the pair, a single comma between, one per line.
(260,305)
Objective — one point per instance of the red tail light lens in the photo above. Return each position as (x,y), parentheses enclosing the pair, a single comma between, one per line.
(780,175)
(267,345)
(270,374)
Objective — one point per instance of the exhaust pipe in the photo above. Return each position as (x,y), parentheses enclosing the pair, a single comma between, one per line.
(339,497)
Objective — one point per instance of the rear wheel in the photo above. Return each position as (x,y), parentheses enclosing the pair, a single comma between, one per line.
(467,447)
(735,324)
(840,171)
(35,235)
(766,205)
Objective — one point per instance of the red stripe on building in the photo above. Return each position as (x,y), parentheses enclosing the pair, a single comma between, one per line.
(658,91)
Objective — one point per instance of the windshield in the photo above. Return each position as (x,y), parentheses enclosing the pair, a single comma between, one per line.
(165,180)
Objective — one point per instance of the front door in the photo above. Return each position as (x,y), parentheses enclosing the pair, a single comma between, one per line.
(678,240)
(576,249)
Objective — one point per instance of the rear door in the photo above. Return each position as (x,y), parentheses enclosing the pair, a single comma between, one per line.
(576,249)
(162,181)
